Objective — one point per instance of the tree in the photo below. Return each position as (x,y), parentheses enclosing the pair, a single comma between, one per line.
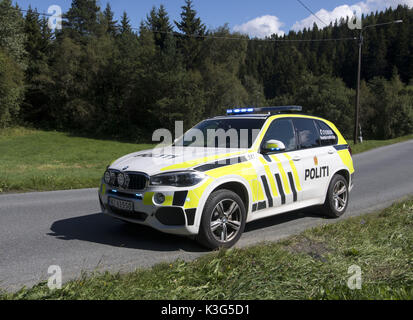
(11,89)
(389,104)
(193,31)
(125,26)
(38,48)
(326,97)
(81,19)
(111,24)
(12,62)
(158,22)
(12,36)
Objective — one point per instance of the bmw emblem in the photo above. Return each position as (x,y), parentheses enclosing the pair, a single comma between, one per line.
(126,168)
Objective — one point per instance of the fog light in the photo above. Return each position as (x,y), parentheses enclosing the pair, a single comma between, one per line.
(121,179)
(159,198)
(107,177)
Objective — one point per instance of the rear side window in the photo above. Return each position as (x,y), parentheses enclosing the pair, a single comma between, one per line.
(282,130)
(327,135)
(307,133)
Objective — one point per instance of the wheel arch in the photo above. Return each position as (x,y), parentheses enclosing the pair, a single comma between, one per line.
(342,171)
(239,188)
(233,183)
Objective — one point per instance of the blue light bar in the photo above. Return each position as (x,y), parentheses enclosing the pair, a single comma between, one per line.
(240,111)
(269,110)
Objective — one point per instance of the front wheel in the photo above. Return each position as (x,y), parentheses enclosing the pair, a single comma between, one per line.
(223,220)
(337,197)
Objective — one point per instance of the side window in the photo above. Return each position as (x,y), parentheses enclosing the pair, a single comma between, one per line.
(282,130)
(327,135)
(307,133)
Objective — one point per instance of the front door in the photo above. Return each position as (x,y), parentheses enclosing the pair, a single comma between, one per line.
(279,174)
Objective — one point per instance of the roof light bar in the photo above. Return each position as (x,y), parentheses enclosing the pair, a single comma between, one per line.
(240,111)
(265,110)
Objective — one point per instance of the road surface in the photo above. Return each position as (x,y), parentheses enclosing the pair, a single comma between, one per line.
(66,228)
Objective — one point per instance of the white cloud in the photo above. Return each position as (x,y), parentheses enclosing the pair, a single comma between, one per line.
(261,27)
(344,11)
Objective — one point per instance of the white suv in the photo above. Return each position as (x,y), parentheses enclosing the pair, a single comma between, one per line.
(281,162)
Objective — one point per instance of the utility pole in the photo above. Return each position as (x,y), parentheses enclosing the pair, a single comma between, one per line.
(357,108)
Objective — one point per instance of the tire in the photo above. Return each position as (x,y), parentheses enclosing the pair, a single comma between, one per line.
(337,197)
(223,220)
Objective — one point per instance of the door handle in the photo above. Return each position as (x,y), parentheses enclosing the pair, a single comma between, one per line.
(296,158)
(330,151)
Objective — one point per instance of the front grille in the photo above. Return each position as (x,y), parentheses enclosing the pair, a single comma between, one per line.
(137,181)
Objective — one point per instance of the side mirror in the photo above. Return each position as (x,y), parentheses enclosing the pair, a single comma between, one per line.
(273,146)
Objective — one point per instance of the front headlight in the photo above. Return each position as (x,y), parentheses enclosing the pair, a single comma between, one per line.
(177,179)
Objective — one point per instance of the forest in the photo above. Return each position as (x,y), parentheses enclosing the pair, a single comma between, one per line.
(102,78)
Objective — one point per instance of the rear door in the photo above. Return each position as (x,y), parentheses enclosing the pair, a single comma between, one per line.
(313,159)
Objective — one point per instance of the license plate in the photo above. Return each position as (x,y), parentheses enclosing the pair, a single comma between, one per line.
(121,204)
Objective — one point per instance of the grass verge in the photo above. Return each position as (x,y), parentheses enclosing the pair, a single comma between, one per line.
(372,144)
(312,265)
(35,160)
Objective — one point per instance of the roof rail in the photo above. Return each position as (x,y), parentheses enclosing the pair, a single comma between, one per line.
(269,110)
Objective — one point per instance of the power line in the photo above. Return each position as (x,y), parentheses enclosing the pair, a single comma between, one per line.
(245,38)
(35,12)
(311,11)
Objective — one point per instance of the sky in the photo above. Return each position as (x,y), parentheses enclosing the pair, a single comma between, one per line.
(258,18)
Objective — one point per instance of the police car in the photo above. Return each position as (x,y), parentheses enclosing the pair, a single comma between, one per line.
(209,188)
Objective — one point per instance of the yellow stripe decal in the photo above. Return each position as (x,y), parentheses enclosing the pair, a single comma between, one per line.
(168,201)
(296,178)
(194,195)
(347,160)
(283,175)
(269,176)
(257,187)
(147,198)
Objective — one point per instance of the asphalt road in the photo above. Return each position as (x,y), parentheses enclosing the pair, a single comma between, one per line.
(66,228)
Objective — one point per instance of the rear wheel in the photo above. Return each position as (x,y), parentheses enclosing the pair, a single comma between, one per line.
(223,220)
(337,197)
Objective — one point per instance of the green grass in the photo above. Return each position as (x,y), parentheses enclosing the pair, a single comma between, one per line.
(372,144)
(312,265)
(34,160)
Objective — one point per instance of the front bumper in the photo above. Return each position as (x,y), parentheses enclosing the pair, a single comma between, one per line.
(175,215)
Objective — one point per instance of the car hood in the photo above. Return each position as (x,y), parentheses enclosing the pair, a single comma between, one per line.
(160,160)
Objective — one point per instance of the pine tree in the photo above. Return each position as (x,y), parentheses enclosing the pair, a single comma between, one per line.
(108,14)
(81,19)
(125,26)
(33,43)
(158,22)
(193,30)
(38,47)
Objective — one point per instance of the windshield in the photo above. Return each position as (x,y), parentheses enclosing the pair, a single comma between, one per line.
(222,133)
